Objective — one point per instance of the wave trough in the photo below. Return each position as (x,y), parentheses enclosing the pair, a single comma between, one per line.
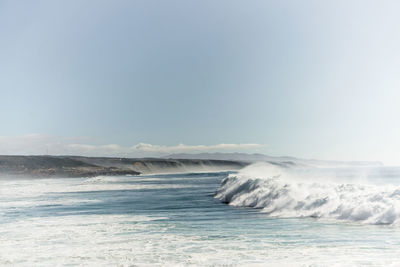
(287,193)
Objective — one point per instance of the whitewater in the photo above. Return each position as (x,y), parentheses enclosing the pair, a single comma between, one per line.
(263,215)
(340,194)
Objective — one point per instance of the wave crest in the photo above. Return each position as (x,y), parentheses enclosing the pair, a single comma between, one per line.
(280,192)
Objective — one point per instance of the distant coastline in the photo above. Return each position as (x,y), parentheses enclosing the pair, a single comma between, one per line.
(78,166)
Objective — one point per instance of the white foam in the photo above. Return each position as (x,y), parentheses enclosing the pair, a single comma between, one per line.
(122,240)
(35,188)
(283,192)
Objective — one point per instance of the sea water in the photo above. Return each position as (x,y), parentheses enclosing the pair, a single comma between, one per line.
(262,216)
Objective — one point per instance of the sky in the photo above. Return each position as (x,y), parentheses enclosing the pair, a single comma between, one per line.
(312,79)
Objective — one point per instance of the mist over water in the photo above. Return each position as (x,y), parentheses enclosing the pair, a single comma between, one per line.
(176,220)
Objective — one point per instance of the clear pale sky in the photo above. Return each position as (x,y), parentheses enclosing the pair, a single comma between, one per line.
(313,79)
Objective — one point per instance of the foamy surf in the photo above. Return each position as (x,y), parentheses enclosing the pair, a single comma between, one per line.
(170,220)
(294,193)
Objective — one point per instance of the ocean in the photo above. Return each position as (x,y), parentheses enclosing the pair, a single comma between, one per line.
(264,215)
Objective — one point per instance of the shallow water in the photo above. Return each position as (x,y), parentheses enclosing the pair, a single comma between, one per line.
(169,220)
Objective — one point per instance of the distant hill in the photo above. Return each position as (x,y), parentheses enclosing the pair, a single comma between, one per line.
(77,166)
(229,156)
(261,157)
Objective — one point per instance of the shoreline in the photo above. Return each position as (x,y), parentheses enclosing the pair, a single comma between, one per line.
(78,166)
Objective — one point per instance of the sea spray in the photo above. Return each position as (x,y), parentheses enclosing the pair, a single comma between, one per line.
(293,192)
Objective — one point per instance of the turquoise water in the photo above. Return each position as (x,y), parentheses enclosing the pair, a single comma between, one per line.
(171,220)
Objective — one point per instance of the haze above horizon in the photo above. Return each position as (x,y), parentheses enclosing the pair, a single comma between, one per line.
(308,79)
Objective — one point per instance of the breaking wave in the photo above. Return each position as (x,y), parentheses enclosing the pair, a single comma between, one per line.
(290,192)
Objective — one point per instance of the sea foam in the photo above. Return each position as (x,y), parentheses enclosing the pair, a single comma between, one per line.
(290,192)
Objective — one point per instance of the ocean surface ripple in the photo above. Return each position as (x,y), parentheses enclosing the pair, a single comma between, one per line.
(175,219)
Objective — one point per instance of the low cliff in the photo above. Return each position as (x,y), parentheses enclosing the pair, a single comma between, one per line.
(76,166)
(158,165)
